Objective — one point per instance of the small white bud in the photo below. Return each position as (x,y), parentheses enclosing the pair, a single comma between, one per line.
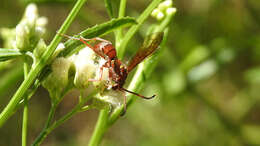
(171,11)
(168,3)
(155,12)
(58,80)
(164,5)
(160,16)
(42,21)
(31,8)
(85,67)
(31,14)
(21,37)
(60,47)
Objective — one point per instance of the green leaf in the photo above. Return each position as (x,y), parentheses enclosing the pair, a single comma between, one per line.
(6,54)
(108,5)
(140,20)
(98,30)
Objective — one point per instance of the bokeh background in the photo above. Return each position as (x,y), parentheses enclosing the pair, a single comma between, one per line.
(207,81)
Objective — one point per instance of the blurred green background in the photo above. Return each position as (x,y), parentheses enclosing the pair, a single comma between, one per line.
(207,81)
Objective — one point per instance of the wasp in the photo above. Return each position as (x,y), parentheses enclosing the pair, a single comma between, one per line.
(117,70)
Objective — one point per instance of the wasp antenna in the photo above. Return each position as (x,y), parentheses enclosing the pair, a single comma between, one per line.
(67,36)
(144,97)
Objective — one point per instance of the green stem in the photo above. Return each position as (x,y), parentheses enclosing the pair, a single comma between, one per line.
(133,29)
(49,128)
(144,69)
(29,94)
(25,110)
(100,128)
(43,133)
(135,84)
(39,65)
(143,72)
(121,14)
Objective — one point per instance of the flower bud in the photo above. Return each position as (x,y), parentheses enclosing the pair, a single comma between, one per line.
(58,80)
(111,98)
(163,10)
(164,5)
(31,15)
(171,11)
(85,67)
(59,48)
(22,40)
(155,12)
(160,16)
(40,49)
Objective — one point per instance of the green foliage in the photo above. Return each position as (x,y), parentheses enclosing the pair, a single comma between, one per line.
(6,54)
(205,75)
(70,70)
(97,31)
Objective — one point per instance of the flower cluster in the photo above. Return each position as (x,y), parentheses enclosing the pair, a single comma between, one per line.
(165,8)
(27,34)
(78,72)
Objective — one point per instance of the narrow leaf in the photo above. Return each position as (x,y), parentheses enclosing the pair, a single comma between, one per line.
(6,54)
(97,31)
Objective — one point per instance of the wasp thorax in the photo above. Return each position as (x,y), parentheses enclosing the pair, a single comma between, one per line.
(107,48)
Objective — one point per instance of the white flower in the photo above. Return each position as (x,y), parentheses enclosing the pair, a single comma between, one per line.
(85,66)
(111,97)
(22,33)
(31,14)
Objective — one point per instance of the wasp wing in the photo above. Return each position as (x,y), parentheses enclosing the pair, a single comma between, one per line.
(150,44)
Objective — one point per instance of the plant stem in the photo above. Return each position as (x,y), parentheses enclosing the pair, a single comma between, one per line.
(103,120)
(49,128)
(143,72)
(39,65)
(25,110)
(119,32)
(100,128)
(43,133)
(133,29)
(135,84)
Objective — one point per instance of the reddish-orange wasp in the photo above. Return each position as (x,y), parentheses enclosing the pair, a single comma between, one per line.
(117,70)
